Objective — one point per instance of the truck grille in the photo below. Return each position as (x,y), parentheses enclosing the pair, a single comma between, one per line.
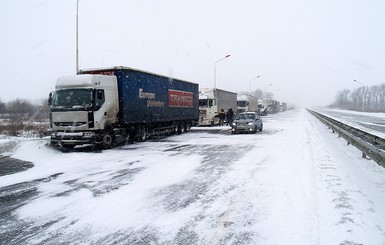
(202,112)
(70,124)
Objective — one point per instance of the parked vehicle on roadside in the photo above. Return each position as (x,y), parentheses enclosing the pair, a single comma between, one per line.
(211,101)
(247,122)
(108,106)
(247,102)
(263,105)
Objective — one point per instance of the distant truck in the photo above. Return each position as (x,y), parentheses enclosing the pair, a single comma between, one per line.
(247,103)
(263,105)
(108,106)
(274,106)
(211,101)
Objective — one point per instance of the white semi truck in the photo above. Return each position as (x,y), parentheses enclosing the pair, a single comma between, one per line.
(247,103)
(263,106)
(107,106)
(211,101)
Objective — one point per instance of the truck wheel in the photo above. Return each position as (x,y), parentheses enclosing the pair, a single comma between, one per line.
(108,140)
(188,127)
(142,135)
(68,146)
(175,129)
(181,128)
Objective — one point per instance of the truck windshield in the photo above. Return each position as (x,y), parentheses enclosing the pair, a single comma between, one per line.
(203,102)
(242,103)
(73,98)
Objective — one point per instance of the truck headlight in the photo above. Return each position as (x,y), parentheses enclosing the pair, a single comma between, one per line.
(234,124)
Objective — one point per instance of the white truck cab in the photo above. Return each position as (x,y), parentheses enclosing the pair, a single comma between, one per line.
(211,101)
(82,105)
(208,109)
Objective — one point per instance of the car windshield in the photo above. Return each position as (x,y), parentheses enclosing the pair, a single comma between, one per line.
(72,98)
(245,116)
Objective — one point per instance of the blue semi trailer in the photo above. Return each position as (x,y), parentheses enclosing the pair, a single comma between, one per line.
(110,106)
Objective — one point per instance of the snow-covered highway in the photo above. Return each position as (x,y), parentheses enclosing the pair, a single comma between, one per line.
(294,183)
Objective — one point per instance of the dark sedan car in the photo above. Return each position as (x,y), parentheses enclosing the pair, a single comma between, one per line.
(247,122)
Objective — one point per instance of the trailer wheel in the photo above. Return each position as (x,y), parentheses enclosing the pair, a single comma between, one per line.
(142,135)
(181,128)
(175,128)
(188,127)
(108,140)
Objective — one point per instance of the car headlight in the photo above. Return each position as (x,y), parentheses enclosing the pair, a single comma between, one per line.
(250,123)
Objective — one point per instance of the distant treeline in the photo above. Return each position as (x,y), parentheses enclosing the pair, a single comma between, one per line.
(20,116)
(364,98)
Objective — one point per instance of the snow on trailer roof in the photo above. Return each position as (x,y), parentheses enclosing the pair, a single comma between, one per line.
(106,69)
(242,97)
(211,90)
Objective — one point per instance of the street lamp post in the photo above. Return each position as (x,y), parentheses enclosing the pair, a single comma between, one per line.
(77,36)
(215,70)
(266,88)
(251,81)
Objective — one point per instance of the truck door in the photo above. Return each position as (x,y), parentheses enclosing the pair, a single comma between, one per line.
(100,111)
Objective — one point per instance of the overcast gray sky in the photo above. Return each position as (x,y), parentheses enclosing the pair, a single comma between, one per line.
(307,49)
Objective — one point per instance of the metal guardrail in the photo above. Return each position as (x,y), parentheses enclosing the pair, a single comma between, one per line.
(370,145)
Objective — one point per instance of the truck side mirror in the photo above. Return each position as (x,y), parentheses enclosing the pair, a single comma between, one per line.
(50,98)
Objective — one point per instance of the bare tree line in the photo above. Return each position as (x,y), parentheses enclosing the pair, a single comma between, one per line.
(21,116)
(364,98)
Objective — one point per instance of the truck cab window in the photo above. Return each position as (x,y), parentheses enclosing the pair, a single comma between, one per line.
(72,98)
(212,103)
(99,100)
(242,103)
(203,102)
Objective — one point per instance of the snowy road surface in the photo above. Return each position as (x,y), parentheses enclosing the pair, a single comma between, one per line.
(294,183)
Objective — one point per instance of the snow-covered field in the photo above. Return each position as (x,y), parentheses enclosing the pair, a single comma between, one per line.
(294,183)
